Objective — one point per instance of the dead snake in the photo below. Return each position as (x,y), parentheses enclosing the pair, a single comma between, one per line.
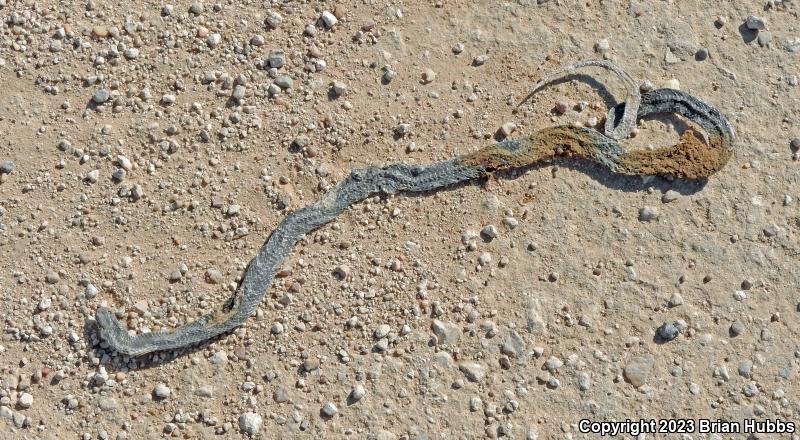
(692,158)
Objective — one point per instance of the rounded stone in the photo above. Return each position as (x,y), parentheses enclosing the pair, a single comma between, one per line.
(329,409)
(6,167)
(638,369)
(755,23)
(382,331)
(161,391)
(250,423)
(284,82)
(648,213)
(358,392)
(101,96)
(25,401)
(737,328)
(667,332)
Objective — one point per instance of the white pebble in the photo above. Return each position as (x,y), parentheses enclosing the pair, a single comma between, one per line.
(358,393)
(329,19)
(93,175)
(161,391)
(213,40)
(45,303)
(329,409)
(25,400)
(250,423)
(124,162)
(382,331)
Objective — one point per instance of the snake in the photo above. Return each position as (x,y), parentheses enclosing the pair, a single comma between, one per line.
(693,157)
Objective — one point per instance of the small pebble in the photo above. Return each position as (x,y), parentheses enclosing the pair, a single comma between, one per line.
(44,304)
(794,145)
(161,391)
(553,363)
(338,88)
(25,401)
(744,368)
(507,129)
(473,371)
(701,54)
(196,8)
(670,196)
(124,163)
(648,213)
(382,331)
(90,291)
(213,276)
(250,423)
(257,40)
(480,60)
(511,222)
(389,75)
(638,369)
(489,231)
(602,46)
(329,409)
(93,176)
(218,358)
(52,277)
(428,76)
(273,20)
(101,96)
(284,82)
(329,19)
(667,332)
(737,328)
(357,393)
(238,92)
(6,167)
(280,395)
(131,53)
(213,40)
(755,23)
(310,364)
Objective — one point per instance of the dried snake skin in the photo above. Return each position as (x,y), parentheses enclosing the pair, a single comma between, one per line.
(692,158)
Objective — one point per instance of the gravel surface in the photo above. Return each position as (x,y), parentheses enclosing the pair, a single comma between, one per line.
(146,156)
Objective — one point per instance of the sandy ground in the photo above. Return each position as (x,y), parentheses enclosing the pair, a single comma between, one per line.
(392,314)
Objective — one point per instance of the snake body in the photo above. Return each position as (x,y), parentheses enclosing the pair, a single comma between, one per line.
(691,158)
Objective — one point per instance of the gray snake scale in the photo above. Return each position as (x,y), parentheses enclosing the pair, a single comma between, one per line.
(692,158)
